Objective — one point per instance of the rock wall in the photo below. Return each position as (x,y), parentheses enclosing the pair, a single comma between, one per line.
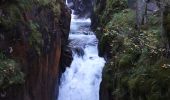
(82,8)
(137,61)
(35,33)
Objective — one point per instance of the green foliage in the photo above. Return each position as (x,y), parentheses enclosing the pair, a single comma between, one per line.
(138,69)
(29,3)
(56,10)
(10,72)
(15,13)
(44,2)
(35,38)
(18,20)
(119,20)
(119,24)
(11,11)
(151,80)
(153,20)
(10,17)
(112,6)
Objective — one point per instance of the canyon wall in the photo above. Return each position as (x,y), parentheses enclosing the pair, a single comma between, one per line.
(133,42)
(34,33)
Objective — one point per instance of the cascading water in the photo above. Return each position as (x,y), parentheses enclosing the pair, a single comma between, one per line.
(81,81)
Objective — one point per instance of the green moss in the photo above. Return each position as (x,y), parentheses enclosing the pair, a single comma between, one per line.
(11,17)
(111,6)
(56,9)
(120,19)
(126,61)
(10,72)
(44,2)
(35,38)
(18,12)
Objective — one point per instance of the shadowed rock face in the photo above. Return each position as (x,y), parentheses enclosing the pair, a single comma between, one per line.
(83,8)
(38,36)
(166,23)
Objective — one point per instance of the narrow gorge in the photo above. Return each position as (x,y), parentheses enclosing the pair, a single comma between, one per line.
(84,49)
(81,81)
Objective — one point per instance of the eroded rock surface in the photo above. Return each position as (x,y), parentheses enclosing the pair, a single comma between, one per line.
(35,33)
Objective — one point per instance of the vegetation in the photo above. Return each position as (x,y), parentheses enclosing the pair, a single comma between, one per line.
(17,22)
(136,43)
(111,7)
(33,35)
(139,67)
(12,16)
(35,38)
(10,72)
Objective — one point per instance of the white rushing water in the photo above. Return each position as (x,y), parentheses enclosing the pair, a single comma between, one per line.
(81,81)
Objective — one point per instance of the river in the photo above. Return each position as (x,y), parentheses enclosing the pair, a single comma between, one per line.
(81,81)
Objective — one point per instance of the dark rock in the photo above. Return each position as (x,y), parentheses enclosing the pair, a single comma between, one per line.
(105,92)
(79,51)
(37,33)
(132,4)
(66,58)
(82,8)
(100,6)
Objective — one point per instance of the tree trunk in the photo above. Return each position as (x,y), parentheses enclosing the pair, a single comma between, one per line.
(165,23)
(141,13)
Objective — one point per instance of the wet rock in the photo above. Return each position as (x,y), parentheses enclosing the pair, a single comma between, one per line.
(91,58)
(66,58)
(105,92)
(79,51)
(82,8)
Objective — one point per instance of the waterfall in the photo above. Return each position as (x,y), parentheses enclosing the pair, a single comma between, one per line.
(81,81)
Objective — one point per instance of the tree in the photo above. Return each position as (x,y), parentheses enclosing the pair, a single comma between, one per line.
(165,21)
(141,13)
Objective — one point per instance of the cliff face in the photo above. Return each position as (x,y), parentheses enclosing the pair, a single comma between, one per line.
(34,33)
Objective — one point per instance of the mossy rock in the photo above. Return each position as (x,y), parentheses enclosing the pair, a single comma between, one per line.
(138,69)
(11,16)
(35,37)
(10,72)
